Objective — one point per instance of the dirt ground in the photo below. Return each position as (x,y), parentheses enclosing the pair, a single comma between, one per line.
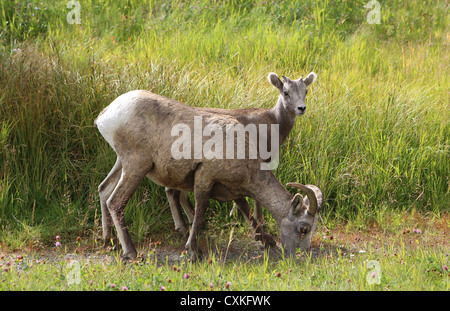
(241,247)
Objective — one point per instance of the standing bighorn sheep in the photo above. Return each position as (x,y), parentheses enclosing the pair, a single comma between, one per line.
(290,104)
(138,125)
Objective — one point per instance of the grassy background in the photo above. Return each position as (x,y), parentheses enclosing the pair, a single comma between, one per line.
(375,138)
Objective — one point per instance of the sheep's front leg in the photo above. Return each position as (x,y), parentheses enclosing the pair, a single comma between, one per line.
(201,195)
(258,213)
(260,235)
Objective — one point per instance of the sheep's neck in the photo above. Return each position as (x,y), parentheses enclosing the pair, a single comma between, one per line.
(269,192)
(285,119)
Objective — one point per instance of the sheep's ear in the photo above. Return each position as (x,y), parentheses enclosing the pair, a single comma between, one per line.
(275,81)
(310,79)
(297,204)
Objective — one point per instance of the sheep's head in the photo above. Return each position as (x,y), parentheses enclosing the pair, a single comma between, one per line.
(298,228)
(293,92)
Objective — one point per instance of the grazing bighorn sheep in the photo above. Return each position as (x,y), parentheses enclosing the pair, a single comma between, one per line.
(290,104)
(138,124)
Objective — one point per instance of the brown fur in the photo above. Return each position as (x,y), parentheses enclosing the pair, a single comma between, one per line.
(280,115)
(143,147)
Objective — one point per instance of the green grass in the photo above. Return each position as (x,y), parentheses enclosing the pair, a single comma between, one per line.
(325,274)
(406,260)
(375,138)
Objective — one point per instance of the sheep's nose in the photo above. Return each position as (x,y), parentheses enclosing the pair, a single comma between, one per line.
(301,109)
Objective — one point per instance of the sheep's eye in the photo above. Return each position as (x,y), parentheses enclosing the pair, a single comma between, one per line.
(304,230)
(286,93)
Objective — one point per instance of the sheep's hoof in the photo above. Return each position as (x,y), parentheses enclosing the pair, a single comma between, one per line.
(110,243)
(129,256)
(127,260)
(183,231)
(196,256)
(266,239)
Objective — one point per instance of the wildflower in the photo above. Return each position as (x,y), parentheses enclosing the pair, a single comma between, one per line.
(57,244)
(211,286)
(445,267)
(124,288)
(186,276)
(78,239)
(227,284)
(58,238)
(113,285)
(373,275)
(278,274)
(163,288)
(90,283)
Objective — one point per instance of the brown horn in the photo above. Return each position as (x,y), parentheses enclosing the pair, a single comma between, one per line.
(311,196)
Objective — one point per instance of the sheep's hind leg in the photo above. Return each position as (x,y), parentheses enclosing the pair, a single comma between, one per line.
(105,190)
(175,207)
(187,206)
(129,181)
